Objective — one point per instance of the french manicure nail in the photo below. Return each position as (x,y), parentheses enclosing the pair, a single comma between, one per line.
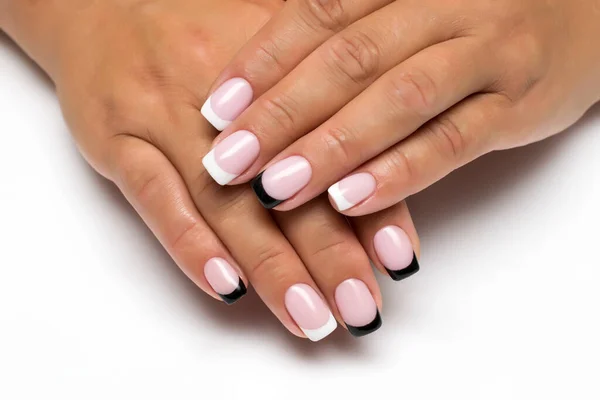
(282,180)
(309,312)
(352,190)
(396,253)
(224,280)
(357,307)
(227,102)
(232,156)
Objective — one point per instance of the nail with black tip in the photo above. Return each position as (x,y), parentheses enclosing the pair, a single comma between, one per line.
(357,307)
(224,280)
(282,180)
(395,251)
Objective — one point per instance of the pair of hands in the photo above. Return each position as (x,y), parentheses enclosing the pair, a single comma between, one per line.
(131,77)
(402,92)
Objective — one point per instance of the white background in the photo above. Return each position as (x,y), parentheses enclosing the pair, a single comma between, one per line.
(506,305)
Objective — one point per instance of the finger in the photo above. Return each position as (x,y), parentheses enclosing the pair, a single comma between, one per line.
(254,240)
(157,192)
(337,262)
(390,239)
(446,143)
(320,86)
(396,105)
(300,27)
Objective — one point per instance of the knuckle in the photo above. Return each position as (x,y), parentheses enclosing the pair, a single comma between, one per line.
(339,143)
(281,111)
(335,250)
(415,91)
(400,165)
(354,56)
(267,51)
(231,203)
(203,187)
(325,14)
(216,198)
(182,239)
(142,184)
(267,260)
(444,131)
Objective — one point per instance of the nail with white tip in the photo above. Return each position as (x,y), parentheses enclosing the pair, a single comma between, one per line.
(232,156)
(310,312)
(352,190)
(227,103)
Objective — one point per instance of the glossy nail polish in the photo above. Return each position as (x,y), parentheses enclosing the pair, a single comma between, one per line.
(309,312)
(227,102)
(352,190)
(232,156)
(357,307)
(282,180)
(395,251)
(224,280)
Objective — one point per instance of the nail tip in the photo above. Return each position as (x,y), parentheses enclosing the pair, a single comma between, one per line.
(209,114)
(359,331)
(234,296)
(315,335)
(267,201)
(339,200)
(402,274)
(215,171)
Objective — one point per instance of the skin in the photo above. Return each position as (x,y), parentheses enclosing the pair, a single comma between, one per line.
(131,76)
(410,90)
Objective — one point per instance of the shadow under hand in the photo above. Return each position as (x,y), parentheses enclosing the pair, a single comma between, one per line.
(479,183)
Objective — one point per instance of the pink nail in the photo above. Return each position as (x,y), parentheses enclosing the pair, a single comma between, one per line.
(227,102)
(285,178)
(232,156)
(309,311)
(352,190)
(357,307)
(224,280)
(396,253)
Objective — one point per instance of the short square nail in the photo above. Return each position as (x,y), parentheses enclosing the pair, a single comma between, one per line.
(352,190)
(282,180)
(357,307)
(232,156)
(396,253)
(310,312)
(227,103)
(224,280)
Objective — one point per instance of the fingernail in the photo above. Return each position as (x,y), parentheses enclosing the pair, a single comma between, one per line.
(395,251)
(309,312)
(224,280)
(227,102)
(352,190)
(232,156)
(282,180)
(357,307)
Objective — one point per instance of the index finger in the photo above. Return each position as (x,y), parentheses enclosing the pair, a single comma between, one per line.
(299,28)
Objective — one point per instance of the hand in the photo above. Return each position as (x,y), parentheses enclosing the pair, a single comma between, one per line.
(130,76)
(377,100)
